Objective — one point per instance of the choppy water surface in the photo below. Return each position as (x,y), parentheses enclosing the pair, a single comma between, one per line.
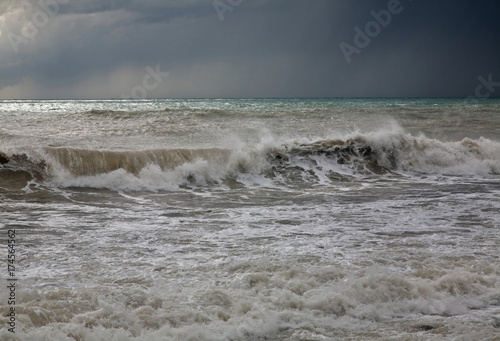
(277,219)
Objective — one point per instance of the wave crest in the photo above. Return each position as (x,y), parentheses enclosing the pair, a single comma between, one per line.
(327,160)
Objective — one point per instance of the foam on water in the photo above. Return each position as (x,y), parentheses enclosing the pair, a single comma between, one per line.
(271,299)
(322,161)
(336,223)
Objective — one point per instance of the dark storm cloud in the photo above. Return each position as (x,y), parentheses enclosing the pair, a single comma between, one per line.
(261,48)
(431,48)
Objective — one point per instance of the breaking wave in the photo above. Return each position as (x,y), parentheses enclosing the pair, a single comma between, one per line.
(289,162)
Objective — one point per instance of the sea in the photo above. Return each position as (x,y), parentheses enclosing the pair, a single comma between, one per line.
(250,219)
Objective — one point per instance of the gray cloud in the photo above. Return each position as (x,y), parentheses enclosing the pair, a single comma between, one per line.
(263,48)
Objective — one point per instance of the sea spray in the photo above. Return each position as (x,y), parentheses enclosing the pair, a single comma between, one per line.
(379,153)
(280,219)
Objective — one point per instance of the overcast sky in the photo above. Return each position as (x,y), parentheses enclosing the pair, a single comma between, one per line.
(248,48)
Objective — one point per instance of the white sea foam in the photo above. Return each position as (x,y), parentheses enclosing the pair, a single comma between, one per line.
(213,230)
(322,161)
(151,177)
(266,299)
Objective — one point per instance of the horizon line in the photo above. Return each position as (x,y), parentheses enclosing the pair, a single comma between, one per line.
(244,98)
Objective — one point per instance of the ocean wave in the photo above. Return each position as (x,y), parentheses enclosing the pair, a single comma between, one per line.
(288,162)
(136,113)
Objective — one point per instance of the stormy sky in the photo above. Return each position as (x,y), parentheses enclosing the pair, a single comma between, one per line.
(248,48)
